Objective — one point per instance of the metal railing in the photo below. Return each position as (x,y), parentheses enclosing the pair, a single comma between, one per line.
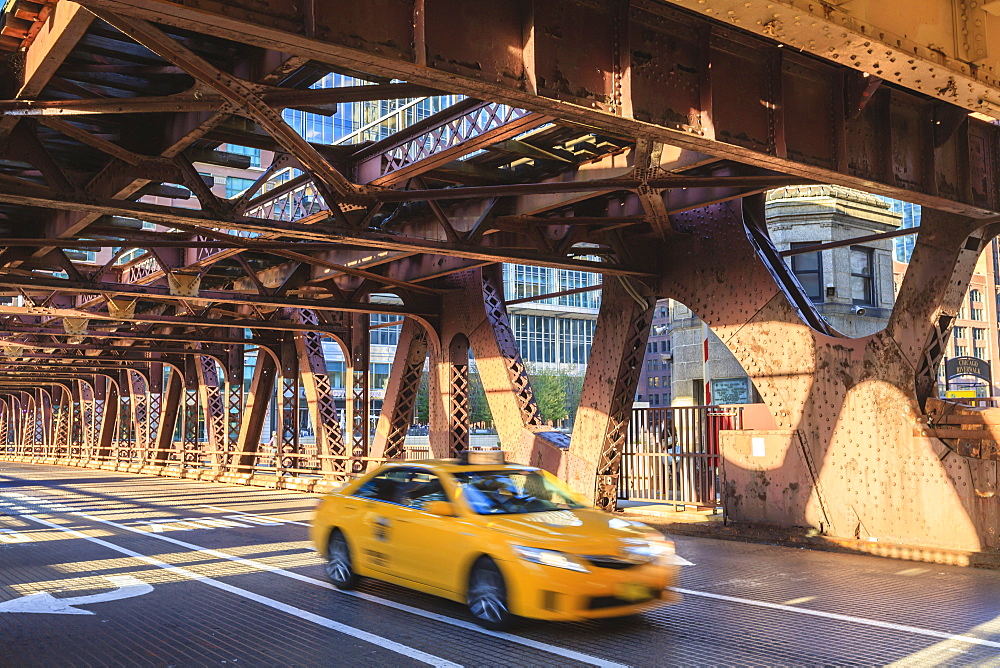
(672,454)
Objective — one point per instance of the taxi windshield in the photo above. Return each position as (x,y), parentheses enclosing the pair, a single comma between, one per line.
(512,492)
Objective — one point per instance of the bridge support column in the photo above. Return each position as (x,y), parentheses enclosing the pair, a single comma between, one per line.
(106,398)
(478,315)
(358,400)
(88,428)
(169,409)
(401,393)
(608,391)
(289,453)
(139,408)
(154,411)
(62,419)
(189,419)
(319,395)
(43,421)
(234,404)
(211,394)
(258,398)
(852,455)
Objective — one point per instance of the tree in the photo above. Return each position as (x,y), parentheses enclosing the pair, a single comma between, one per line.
(550,394)
(479,407)
(422,408)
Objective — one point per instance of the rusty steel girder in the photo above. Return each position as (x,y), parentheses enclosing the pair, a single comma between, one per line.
(648,70)
(849,456)
(330,447)
(401,392)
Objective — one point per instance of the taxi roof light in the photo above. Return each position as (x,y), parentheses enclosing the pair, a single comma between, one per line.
(491,456)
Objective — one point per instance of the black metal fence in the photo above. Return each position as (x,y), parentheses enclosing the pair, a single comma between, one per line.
(672,454)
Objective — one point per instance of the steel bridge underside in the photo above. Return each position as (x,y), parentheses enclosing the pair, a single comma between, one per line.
(631,139)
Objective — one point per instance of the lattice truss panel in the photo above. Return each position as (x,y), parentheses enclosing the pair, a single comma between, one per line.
(478,121)
(410,371)
(329,452)
(629,369)
(212,401)
(496,313)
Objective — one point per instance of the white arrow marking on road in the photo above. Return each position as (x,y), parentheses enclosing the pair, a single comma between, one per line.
(678,560)
(43,602)
(11,536)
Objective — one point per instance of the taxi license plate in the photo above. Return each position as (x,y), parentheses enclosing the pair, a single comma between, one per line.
(634,592)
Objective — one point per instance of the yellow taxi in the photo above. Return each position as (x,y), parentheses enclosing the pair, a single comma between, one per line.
(507,540)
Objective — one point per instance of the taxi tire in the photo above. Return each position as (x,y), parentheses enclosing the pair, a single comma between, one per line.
(487,596)
(339,566)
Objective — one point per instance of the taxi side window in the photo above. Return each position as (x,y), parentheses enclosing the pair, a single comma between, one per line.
(382,487)
(411,488)
(419,490)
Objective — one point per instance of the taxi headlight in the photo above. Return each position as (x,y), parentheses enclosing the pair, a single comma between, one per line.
(661,551)
(548,558)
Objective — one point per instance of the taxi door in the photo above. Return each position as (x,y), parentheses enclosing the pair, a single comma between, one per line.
(376,519)
(428,548)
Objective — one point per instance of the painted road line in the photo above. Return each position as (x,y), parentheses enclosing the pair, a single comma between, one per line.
(240,512)
(844,618)
(325,622)
(444,619)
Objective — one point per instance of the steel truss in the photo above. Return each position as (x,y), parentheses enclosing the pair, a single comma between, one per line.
(627,151)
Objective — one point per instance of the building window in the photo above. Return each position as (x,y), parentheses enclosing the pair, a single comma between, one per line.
(379,375)
(862,276)
(665,346)
(656,400)
(960,332)
(653,381)
(335,370)
(978,334)
(666,381)
(961,351)
(975,296)
(652,365)
(384,336)
(235,185)
(976,314)
(575,338)
(979,352)
(524,281)
(254,153)
(571,280)
(536,337)
(808,269)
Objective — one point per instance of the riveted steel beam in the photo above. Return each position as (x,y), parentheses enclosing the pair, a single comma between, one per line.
(683,84)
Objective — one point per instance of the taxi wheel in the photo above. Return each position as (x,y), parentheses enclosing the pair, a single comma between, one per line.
(487,597)
(338,564)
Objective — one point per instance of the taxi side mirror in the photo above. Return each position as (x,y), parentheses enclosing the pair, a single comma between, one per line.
(440,508)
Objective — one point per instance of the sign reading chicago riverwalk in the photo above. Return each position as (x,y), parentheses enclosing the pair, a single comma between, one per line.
(968,366)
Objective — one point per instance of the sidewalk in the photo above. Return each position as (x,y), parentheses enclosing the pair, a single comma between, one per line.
(705,524)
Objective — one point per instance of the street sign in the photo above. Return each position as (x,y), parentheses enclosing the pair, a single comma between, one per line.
(968,366)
